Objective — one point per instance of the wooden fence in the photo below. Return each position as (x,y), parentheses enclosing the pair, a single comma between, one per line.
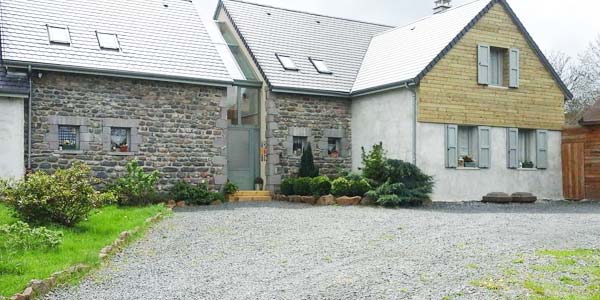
(581,163)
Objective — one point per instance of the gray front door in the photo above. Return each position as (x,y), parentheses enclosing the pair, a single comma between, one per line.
(243,156)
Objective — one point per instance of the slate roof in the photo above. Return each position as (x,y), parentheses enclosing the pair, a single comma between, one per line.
(159,38)
(267,31)
(402,53)
(13,84)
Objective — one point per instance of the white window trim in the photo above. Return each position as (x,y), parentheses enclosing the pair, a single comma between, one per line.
(327,71)
(59,42)
(118,48)
(287,68)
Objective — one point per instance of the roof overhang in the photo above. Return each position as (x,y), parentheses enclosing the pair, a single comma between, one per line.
(311,92)
(115,73)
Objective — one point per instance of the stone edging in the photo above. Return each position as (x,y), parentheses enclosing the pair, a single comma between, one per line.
(326,200)
(36,288)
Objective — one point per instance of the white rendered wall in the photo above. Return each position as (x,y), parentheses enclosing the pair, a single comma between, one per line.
(383,117)
(464,185)
(12,138)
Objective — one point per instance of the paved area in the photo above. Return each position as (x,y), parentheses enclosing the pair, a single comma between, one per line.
(294,251)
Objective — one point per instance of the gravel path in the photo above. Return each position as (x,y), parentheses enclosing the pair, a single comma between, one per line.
(294,251)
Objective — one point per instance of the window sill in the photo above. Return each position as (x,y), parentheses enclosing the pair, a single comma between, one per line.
(121,153)
(69,152)
(468,168)
(498,87)
(527,169)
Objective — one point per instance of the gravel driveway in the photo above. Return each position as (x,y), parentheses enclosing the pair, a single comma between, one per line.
(294,251)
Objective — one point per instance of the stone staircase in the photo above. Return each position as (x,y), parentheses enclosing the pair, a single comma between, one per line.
(248,196)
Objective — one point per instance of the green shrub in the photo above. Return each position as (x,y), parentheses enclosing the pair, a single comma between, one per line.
(136,187)
(341,187)
(287,186)
(302,186)
(65,197)
(307,164)
(193,194)
(410,175)
(389,200)
(21,237)
(359,187)
(320,186)
(230,188)
(216,196)
(374,163)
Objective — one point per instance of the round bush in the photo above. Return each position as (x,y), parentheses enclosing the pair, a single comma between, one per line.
(66,197)
(341,187)
(287,186)
(320,186)
(302,186)
(359,187)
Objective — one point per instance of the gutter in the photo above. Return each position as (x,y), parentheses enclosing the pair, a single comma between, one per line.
(310,92)
(383,88)
(413,91)
(114,73)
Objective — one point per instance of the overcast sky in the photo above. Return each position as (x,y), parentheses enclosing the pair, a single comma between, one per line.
(565,25)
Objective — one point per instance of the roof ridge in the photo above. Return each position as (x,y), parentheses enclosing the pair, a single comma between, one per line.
(426,17)
(310,13)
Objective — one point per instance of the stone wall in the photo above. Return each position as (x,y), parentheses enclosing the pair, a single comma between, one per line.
(175,128)
(315,117)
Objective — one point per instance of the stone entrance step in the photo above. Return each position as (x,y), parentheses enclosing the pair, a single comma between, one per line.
(247,196)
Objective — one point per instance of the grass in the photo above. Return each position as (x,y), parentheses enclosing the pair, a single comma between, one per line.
(81,245)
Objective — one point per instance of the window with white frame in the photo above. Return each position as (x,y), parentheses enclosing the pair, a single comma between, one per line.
(334,147)
(108,41)
(287,62)
(527,148)
(468,146)
(59,34)
(321,66)
(299,144)
(497,66)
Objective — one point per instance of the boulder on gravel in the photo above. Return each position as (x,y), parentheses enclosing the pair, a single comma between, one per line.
(181,204)
(523,198)
(309,200)
(496,198)
(295,199)
(347,201)
(367,201)
(326,200)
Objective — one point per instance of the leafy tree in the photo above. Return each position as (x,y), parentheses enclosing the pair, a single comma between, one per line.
(373,164)
(307,164)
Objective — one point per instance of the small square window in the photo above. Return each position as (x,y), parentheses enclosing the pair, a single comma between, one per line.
(59,35)
(321,66)
(287,62)
(108,41)
(299,144)
(119,139)
(68,138)
(334,146)
(467,146)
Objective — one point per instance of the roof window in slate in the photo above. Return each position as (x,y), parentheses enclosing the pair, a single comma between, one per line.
(321,66)
(287,62)
(59,35)
(108,41)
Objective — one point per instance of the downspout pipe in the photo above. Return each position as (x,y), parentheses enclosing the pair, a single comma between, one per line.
(30,74)
(413,91)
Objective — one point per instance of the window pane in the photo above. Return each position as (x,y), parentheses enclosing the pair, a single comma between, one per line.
(108,41)
(249,106)
(59,35)
(334,147)
(467,146)
(232,111)
(299,144)
(496,66)
(321,66)
(68,137)
(527,148)
(287,62)
(119,139)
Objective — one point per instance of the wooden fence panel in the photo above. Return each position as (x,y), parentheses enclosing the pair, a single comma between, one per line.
(574,177)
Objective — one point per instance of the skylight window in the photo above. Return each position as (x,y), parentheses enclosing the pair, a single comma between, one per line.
(321,66)
(59,35)
(287,62)
(108,41)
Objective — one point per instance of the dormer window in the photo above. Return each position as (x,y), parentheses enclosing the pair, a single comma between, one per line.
(108,41)
(287,62)
(59,35)
(321,66)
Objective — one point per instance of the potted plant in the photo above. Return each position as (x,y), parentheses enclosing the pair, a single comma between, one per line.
(66,145)
(527,165)
(230,189)
(469,162)
(258,183)
(124,148)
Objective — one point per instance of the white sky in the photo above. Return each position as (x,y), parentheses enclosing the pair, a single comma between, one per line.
(565,25)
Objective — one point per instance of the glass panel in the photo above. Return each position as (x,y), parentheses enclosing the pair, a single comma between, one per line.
(299,144)
(242,62)
(321,66)
(287,62)
(249,106)
(232,111)
(467,146)
(527,148)
(68,137)
(334,146)
(59,35)
(119,139)
(108,41)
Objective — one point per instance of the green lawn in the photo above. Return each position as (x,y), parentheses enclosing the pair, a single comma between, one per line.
(81,244)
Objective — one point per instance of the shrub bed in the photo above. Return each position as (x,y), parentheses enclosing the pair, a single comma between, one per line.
(194,194)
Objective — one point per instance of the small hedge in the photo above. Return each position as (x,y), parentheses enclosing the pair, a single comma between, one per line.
(302,186)
(320,186)
(136,187)
(194,194)
(341,187)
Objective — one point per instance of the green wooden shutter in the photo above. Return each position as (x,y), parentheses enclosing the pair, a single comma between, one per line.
(451,146)
(512,139)
(483,68)
(515,72)
(542,149)
(484,147)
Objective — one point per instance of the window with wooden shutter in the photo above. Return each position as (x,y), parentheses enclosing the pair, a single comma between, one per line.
(512,139)
(483,68)
(514,65)
(451,146)
(484,147)
(542,149)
